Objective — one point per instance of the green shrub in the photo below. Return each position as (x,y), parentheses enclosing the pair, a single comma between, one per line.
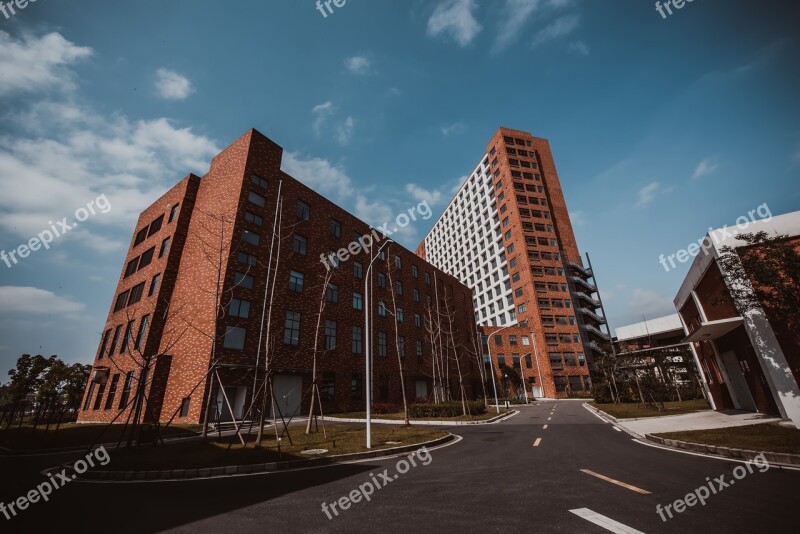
(445,409)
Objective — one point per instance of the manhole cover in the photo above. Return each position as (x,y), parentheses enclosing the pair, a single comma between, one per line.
(313,452)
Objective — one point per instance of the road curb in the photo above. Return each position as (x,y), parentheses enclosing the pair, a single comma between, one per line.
(727,452)
(251,469)
(601,412)
(495,419)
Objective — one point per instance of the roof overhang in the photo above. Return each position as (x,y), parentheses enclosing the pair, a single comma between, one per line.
(714,329)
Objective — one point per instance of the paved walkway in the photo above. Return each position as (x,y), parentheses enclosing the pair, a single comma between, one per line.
(694,421)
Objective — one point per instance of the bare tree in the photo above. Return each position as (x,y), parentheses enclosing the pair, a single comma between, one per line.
(397,341)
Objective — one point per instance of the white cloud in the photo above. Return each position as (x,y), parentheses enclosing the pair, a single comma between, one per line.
(319,174)
(453,129)
(648,304)
(580,48)
(796,156)
(647,194)
(36,63)
(321,114)
(344,132)
(705,167)
(455,18)
(171,85)
(558,28)
(515,14)
(358,64)
(35,301)
(431,196)
(578,218)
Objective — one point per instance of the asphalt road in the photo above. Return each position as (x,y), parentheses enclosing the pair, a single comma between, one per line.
(515,476)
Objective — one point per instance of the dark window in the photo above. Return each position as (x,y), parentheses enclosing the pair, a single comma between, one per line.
(398,287)
(253,218)
(330,335)
(112,391)
(247,236)
(247,259)
(381,280)
(243,280)
(155,226)
(291,333)
(164,247)
(234,338)
(414,271)
(332,293)
(126,389)
(420,352)
(239,308)
(104,344)
(327,389)
(355,387)
(428,278)
(336,228)
(114,340)
(303,211)
(259,181)
(416,295)
(99,399)
(382,343)
(147,258)
(257,199)
(132,266)
(300,244)
(88,400)
(357,339)
(358,270)
(141,235)
(498,340)
(154,283)
(185,406)
(142,332)
(296,281)
(358,301)
(174,212)
(528,361)
(127,337)
(136,294)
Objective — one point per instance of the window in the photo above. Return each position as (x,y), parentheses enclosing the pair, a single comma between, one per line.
(247,259)
(136,294)
(358,270)
(327,388)
(122,300)
(381,280)
(300,244)
(257,199)
(146,258)
(336,228)
(234,338)
(141,235)
(303,211)
(296,281)
(416,295)
(498,340)
(126,338)
(253,218)
(355,387)
(114,341)
(400,315)
(398,262)
(154,283)
(112,391)
(528,361)
(164,248)
(172,214)
(357,339)
(381,343)
(401,345)
(126,389)
(381,308)
(259,181)
(104,344)
(417,320)
(358,301)
(239,308)
(512,340)
(501,360)
(89,396)
(525,341)
(132,266)
(398,287)
(185,406)
(243,280)
(291,333)
(428,278)
(515,360)
(155,226)
(142,332)
(419,350)
(330,335)
(332,293)
(99,398)
(247,236)
(414,271)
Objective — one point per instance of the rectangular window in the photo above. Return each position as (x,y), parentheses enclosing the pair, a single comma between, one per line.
(355,387)
(247,236)
(104,344)
(141,235)
(327,388)
(528,361)
(428,278)
(358,301)
(398,262)
(115,340)
(234,338)
(398,287)
(142,332)
(357,339)
(414,271)
(253,218)
(296,281)
(88,400)
(381,308)
(303,211)
(247,259)
(243,280)
(498,340)
(416,295)
(381,280)
(401,345)
(126,389)
(300,244)
(417,320)
(381,343)
(174,212)
(239,308)
(155,226)
(501,360)
(98,401)
(358,270)
(112,391)
(420,352)
(400,315)
(154,285)
(330,335)
(291,333)
(185,403)
(133,265)
(165,247)
(512,340)
(147,257)
(259,181)
(332,293)
(257,199)
(336,228)
(136,294)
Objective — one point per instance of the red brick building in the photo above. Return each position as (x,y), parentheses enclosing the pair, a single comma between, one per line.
(508,236)
(228,268)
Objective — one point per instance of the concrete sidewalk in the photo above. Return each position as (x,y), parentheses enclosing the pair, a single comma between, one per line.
(694,421)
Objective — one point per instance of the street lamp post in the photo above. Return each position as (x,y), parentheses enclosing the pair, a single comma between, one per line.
(491,363)
(368,341)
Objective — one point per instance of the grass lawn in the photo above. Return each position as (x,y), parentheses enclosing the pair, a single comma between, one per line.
(632,410)
(491,412)
(765,437)
(75,435)
(215,453)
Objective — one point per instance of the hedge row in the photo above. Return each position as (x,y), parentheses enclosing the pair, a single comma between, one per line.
(445,409)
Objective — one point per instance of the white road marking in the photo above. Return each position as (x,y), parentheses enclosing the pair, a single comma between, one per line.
(537,442)
(605,522)
(544,427)
(617,429)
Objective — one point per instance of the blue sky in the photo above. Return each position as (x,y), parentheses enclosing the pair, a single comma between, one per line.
(660,128)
